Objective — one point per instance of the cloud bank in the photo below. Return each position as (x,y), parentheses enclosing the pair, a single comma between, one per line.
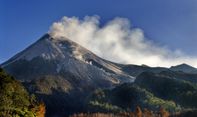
(118,41)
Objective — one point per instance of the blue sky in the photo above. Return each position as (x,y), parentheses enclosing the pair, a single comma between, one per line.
(168,22)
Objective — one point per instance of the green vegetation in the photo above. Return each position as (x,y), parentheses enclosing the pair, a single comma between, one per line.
(150,90)
(137,113)
(125,98)
(15,100)
(99,106)
(180,91)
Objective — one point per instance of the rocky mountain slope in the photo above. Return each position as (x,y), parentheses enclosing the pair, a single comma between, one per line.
(185,68)
(54,56)
(59,70)
(69,78)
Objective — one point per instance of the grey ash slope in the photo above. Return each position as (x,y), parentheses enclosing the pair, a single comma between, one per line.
(50,56)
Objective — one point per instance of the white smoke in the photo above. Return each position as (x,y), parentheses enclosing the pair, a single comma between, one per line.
(118,41)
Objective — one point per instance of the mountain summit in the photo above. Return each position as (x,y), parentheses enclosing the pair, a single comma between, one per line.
(59,70)
(60,57)
(184,68)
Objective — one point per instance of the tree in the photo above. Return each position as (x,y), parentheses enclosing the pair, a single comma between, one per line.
(163,112)
(41,110)
(138,112)
(147,113)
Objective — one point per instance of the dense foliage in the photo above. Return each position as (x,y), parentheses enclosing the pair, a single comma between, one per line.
(137,113)
(182,92)
(15,100)
(125,98)
(150,90)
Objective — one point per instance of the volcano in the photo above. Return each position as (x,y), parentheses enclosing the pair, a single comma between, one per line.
(59,70)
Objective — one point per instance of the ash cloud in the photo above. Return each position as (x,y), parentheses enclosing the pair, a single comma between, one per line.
(118,41)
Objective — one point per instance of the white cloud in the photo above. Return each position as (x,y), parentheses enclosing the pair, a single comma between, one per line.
(118,41)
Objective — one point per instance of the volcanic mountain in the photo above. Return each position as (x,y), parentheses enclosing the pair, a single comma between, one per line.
(69,79)
(49,56)
(59,70)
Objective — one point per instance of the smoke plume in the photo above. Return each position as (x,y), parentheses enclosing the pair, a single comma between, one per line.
(118,41)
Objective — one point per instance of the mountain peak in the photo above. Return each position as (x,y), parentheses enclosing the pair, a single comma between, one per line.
(51,55)
(183,65)
(184,68)
(48,47)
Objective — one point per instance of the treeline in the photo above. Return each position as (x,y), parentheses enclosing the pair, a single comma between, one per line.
(137,113)
(15,101)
